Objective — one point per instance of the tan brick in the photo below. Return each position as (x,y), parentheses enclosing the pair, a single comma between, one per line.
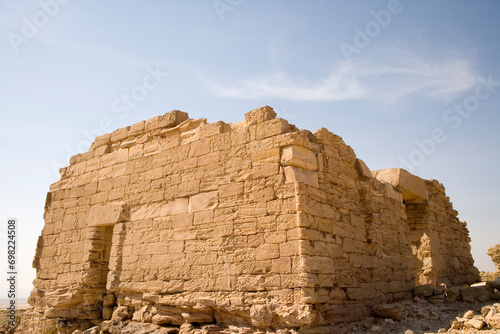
(200,147)
(203,201)
(267,252)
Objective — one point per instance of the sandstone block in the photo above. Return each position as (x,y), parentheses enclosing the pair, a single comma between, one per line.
(109,300)
(486,285)
(64,297)
(137,128)
(363,169)
(480,293)
(294,174)
(412,188)
(259,115)
(122,313)
(392,193)
(107,214)
(175,207)
(107,312)
(203,201)
(299,157)
(172,119)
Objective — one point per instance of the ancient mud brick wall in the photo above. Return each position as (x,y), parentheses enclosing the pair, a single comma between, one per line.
(257,222)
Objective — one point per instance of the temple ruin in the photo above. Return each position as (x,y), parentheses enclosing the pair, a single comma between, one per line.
(257,223)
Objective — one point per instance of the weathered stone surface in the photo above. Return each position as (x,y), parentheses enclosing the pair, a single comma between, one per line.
(173,222)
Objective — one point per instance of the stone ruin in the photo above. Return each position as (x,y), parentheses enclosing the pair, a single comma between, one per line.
(256,223)
(494,253)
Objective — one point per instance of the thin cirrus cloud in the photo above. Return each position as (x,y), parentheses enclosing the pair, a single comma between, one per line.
(389,81)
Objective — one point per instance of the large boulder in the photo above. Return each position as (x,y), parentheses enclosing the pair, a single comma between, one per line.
(480,292)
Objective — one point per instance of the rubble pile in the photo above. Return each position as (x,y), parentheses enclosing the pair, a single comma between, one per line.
(489,317)
(478,292)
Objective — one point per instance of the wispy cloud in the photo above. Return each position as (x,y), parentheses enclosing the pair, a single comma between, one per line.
(388,80)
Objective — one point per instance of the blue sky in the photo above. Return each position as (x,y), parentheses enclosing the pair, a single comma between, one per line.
(405,83)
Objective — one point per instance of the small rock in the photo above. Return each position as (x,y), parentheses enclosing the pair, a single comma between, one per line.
(409,331)
(453,294)
(494,321)
(496,284)
(186,328)
(109,300)
(483,298)
(93,330)
(122,313)
(419,300)
(425,290)
(469,299)
(393,311)
(491,312)
(476,323)
(377,329)
(441,288)
(434,316)
(437,299)
(485,310)
(77,331)
(469,314)
(457,324)
(496,295)
(442,330)
(106,325)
